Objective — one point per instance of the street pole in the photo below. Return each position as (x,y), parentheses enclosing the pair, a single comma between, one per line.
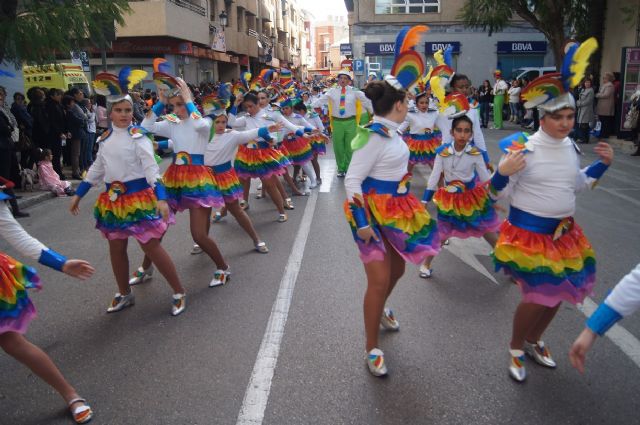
(103,54)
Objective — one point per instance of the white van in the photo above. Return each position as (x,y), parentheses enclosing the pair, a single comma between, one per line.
(531,73)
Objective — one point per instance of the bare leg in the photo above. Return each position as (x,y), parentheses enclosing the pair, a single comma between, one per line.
(154,250)
(378,282)
(292,184)
(198,221)
(120,264)
(246,185)
(270,186)
(525,319)
(397,267)
(278,185)
(243,220)
(535,333)
(491,237)
(296,171)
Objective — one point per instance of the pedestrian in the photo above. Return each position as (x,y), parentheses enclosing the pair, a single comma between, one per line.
(86,153)
(49,179)
(102,118)
(605,107)
(586,115)
(18,310)
(389,225)
(37,110)
(464,207)
(8,138)
(514,101)
(424,136)
(499,91)
(190,184)
(485,98)
(57,135)
(346,105)
(621,302)
(76,124)
(134,202)
(25,124)
(317,139)
(540,245)
(632,122)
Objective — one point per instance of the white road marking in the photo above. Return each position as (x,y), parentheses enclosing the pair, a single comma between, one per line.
(620,195)
(257,393)
(328,169)
(621,337)
(467,249)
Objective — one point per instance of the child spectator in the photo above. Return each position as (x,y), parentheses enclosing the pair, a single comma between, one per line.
(49,179)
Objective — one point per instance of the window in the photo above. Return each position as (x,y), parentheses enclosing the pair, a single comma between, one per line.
(385,7)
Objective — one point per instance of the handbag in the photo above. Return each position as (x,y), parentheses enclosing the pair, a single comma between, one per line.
(24,142)
(631,119)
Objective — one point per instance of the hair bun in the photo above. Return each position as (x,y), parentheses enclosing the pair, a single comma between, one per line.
(375,90)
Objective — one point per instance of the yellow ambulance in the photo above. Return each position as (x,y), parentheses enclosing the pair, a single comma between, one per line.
(55,76)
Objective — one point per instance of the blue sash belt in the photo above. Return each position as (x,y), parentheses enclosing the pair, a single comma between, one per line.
(221,168)
(533,223)
(382,187)
(131,186)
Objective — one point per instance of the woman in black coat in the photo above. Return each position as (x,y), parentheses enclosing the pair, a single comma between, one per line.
(57,128)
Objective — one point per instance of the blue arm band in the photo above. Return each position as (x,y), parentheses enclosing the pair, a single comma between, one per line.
(52,259)
(597,169)
(485,156)
(264,133)
(160,191)
(233,110)
(83,188)
(191,108)
(163,144)
(308,129)
(360,217)
(299,132)
(602,319)
(428,194)
(498,181)
(158,108)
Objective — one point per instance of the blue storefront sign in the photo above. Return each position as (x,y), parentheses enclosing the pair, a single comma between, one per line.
(430,47)
(345,49)
(519,47)
(379,49)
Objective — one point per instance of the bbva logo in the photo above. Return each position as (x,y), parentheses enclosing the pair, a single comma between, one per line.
(521,47)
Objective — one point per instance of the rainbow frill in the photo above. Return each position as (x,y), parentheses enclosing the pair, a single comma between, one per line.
(548,271)
(16,309)
(403,221)
(259,163)
(229,185)
(191,186)
(318,144)
(422,147)
(469,213)
(131,214)
(298,148)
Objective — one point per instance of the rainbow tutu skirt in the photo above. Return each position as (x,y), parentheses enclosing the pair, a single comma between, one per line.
(261,162)
(129,209)
(16,309)
(227,182)
(190,184)
(298,148)
(465,211)
(551,259)
(422,147)
(400,218)
(318,144)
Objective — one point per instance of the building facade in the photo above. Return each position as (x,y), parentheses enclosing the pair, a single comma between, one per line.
(210,40)
(325,36)
(374,24)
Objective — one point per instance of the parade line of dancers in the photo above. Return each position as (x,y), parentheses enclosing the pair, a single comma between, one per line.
(272,128)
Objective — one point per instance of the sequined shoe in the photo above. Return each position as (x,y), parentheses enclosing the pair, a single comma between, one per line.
(120,302)
(425,272)
(196,249)
(282,218)
(388,320)
(220,277)
(375,362)
(179,303)
(288,204)
(262,248)
(540,353)
(517,370)
(141,275)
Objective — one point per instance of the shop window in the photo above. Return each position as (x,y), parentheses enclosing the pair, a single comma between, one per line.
(386,7)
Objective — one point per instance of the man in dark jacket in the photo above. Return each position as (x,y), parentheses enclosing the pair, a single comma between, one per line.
(6,156)
(77,126)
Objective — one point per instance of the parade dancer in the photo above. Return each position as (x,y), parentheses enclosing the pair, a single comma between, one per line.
(134,202)
(190,184)
(17,310)
(298,148)
(219,156)
(540,245)
(345,105)
(465,209)
(390,226)
(318,139)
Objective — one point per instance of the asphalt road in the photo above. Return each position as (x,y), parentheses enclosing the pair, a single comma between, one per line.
(448,364)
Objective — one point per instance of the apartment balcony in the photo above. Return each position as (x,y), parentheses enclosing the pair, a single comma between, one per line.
(252,6)
(168,18)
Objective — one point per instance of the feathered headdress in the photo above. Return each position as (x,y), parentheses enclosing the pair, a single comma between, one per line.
(408,66)
(162,77)
(213,105)
(455,105)
(552,92)
(245,78)
(116,87)
(423,84)
(285,76)
(266,75)
(161,65)
(239,89)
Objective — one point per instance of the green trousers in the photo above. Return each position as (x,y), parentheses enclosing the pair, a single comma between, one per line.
(498,101)
(343,132)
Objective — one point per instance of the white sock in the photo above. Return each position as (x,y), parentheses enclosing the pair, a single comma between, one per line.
(311,175)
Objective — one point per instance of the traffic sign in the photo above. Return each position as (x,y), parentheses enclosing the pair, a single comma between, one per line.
(358,66)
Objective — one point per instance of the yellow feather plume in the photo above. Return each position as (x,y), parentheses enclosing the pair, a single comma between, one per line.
(581,60)
(427,76)
(437,88)
(439,57)
(136,76)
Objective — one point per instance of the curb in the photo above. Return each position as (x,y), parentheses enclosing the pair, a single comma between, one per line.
(35,199)
(624,144)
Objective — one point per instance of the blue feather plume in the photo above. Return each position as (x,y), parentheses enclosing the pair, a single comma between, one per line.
(448,56)
(399,39)
(123,78)
(565,71)
(223,92)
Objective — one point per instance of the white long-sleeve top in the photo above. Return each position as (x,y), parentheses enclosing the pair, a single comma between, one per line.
(351,94)
(444,124)
(17,237)
(189,135)
(418,122)
(382,158)
(457,165)
(625,297)
(315,121)
(547,186)
(122,158)
(264,118)
(222,147)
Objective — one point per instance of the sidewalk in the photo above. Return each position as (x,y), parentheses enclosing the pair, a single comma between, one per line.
(29,199)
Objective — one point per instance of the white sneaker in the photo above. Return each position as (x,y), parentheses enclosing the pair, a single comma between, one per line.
(141,275)
(425,272)
(220,277)
(179,303)
(120,302)
(196,249)
(375,362)
(388,320)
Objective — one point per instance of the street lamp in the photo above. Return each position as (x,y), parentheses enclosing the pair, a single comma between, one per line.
(223,18)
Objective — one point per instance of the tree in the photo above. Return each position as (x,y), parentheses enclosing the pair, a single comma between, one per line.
(33,31)
(558,20)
